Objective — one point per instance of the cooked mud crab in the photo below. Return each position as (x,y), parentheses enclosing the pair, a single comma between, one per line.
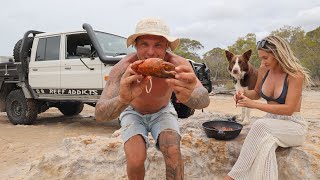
(155,67)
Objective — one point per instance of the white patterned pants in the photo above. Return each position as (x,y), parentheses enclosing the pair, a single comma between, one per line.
(257,159)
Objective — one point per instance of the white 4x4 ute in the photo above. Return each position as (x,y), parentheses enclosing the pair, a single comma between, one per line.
(65,70)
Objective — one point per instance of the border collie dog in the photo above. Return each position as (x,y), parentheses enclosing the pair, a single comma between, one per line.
(245,76)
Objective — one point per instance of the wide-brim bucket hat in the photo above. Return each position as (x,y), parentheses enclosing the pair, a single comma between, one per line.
(153,26)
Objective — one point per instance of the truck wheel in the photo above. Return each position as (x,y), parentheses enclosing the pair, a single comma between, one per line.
(208,86)
(183,111)
(70,108)
(19,109)
(17,47)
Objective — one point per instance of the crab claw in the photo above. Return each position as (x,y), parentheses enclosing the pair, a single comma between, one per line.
(168,70)
(135,66)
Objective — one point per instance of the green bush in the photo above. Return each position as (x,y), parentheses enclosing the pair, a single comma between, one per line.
(229,85)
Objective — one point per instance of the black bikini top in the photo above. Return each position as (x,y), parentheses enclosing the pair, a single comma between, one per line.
(282,98)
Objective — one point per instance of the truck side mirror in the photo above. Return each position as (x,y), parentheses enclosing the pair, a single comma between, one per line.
(83,51)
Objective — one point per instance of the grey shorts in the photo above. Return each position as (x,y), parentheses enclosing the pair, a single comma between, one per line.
(134,123)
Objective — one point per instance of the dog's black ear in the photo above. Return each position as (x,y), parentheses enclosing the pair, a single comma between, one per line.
(229,55)
(247,55)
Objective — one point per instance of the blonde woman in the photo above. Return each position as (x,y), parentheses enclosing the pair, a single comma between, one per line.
(280,81)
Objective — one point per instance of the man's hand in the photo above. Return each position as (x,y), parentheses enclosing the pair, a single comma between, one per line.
(131,84)
(184,82)
(111,103)
(186,86)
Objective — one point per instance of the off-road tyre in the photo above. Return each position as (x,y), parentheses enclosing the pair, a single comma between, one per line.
(183,111)
(17,47)
(4,92)
(19,109)
(71,108)
(208,86)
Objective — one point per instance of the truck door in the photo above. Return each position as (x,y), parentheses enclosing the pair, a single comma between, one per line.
(74,73)
(44,66)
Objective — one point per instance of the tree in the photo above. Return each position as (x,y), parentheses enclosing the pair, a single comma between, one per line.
(217,63)
(188,49)
(245,43)
(306,47)
(294,36)
(291,34)
(312,58)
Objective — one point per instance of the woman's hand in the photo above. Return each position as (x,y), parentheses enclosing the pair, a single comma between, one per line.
(244,101)
(237,95)
(132,84)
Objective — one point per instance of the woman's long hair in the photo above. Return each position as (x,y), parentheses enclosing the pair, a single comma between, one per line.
(287,60)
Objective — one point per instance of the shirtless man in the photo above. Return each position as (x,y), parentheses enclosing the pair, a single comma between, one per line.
(140,112)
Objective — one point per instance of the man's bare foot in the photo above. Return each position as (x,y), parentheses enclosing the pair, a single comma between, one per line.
(227,178)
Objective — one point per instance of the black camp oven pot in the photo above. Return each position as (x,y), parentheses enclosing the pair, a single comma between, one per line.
(213,129)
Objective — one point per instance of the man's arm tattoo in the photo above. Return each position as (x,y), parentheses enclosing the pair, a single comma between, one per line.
(109,108)
(199,99)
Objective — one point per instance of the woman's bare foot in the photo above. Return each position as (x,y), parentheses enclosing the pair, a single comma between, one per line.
(227,178)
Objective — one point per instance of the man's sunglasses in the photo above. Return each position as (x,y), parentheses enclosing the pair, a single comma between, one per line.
(262,44)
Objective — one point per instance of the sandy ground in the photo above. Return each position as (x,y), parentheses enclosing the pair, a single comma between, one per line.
(20,145)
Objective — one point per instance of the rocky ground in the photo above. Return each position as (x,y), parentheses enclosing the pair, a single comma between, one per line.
(58,147)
